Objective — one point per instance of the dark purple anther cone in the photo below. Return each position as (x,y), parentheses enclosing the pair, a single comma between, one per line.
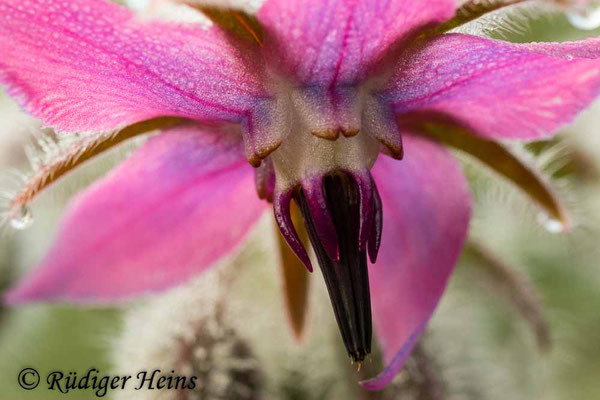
(342,213)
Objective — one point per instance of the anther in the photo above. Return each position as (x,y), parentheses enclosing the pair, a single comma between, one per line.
(351,209)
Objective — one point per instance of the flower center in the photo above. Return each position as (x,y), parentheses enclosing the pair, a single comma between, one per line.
(326,134)
(303,155)
(323,165)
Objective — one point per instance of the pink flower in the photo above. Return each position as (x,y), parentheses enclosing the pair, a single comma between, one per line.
(310,94)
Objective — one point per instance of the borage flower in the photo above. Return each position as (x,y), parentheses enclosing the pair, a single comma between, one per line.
(311,93)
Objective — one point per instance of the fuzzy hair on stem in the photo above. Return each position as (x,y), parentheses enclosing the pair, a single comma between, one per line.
(53,155)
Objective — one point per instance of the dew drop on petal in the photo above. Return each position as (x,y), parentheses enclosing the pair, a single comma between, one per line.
(550,224)
(586,18)
(21,217)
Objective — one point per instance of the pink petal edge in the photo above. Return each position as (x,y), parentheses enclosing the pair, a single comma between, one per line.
(496,89)
(182,201)
(426,211)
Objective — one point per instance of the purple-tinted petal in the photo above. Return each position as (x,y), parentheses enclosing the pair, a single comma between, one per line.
(336,41)
(182,201)
(494,88)
(426,211)
(91,65)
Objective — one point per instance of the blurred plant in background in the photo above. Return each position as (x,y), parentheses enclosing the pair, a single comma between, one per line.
(519,320)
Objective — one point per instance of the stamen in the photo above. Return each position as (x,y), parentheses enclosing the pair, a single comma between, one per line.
(350,132)
(327,134)
(347,279)
(365,189)
(376,227)
(334,134)
(77,154)
(318,207)
(281,208)
(264,178)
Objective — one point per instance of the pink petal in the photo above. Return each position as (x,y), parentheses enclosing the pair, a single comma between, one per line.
(182,201)
(331,42)
(90,65)
(589,48)
(494,88)
(426,212)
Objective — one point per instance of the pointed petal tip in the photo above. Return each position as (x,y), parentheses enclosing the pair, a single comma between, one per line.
(380,381)
(186,165)
(371,384)
(394,366)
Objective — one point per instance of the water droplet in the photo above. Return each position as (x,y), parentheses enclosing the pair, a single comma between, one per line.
(550,224)
(586,18)
(21,217)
